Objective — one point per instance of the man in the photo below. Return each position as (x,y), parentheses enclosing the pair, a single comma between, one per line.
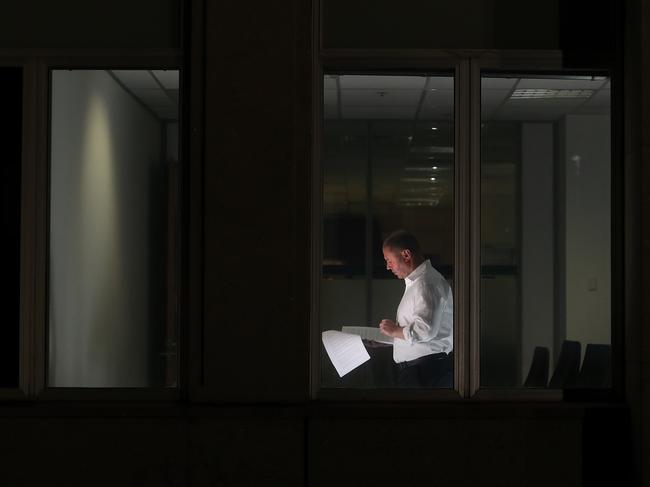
(423,333)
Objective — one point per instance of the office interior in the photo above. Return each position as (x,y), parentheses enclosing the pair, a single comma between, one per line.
(193,191)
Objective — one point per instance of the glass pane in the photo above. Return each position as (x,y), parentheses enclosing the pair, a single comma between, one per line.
(11,96)
(545,232)
(113,264)
(388,159)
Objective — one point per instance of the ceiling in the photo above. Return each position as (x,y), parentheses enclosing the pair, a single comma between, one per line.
(409,121)
(369,97)
(157,90)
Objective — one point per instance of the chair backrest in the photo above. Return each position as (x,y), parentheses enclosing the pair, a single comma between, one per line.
(596,368)
(566,370)
(538,372)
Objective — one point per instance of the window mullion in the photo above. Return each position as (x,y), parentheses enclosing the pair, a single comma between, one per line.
(474,196)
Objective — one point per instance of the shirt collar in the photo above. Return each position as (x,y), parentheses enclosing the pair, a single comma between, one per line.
(417,272)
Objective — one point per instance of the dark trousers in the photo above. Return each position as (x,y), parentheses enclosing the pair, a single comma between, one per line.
(436,370)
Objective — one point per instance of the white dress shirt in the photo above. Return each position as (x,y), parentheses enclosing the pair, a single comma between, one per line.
(426,315)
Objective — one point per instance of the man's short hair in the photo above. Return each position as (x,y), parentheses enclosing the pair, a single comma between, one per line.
(402,240)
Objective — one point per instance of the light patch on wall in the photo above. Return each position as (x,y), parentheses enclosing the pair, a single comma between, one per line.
(99,225)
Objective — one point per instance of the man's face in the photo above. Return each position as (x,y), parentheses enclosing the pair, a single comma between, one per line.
(398,261)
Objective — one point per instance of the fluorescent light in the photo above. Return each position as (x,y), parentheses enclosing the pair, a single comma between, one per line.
(420,168)
(537,93)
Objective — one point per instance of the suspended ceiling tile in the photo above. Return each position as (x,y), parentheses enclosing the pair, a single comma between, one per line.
(380,98)
(498,83)
(170,78)
(374,112)
(441,83)
(602,99)
(493,98)
(365,82)
(135,79)
(329,82)
(439,97)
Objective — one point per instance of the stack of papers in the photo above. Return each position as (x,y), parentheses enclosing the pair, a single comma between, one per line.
(345,348)
(368,333)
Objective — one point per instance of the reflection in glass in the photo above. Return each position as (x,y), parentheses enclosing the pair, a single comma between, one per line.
(113,229)
(388,158)
(11,99)
(545,232)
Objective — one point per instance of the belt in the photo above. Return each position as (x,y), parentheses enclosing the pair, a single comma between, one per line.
(424,358)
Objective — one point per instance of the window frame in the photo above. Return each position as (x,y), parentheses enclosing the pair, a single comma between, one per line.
(372,62)
(35,219)
(552,63)
(467,66)
(22,391)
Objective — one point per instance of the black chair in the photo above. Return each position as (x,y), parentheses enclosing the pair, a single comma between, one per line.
(567,367)
(596,371)
(538,372)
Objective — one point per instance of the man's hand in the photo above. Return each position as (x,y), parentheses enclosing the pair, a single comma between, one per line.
(391,329)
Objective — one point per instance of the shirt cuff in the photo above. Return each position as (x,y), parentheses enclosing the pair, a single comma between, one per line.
(408,336)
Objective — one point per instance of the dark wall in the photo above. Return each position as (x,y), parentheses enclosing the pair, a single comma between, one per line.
(422,24)
(256,425)
(257,123)
(84,24)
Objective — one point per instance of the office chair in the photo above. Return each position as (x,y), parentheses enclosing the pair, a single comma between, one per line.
(538,372)
(567,367)
(596,371)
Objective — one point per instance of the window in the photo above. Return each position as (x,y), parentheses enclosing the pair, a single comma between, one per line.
(113,229)
(507,178)
(388,164)
(546,202)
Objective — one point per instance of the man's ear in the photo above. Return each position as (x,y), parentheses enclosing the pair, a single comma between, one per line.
(406,254)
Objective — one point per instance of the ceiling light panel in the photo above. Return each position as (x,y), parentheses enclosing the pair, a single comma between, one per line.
(537,93)
(561,84)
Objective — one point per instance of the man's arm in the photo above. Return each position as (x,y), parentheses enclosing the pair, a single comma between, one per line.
(391,329)
(426,317)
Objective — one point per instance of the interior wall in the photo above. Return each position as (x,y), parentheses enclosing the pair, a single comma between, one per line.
(587,208)
(537,240)
(104,148)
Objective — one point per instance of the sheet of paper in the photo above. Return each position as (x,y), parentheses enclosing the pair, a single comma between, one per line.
(368,333)
(346,351)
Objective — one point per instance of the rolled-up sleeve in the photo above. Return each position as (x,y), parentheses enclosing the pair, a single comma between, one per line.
(423,322)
